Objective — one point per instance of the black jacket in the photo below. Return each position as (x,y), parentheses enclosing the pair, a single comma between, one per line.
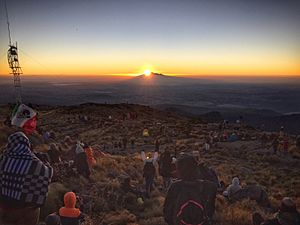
(209,191)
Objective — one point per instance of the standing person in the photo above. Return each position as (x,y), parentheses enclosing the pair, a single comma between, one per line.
(281,131)
(165,168)
(149,171)
(285,145)
(90,156)
(24,178)
(189,200)
(132,141)
(207,144)
(157,145)
(81,161)
(275,145)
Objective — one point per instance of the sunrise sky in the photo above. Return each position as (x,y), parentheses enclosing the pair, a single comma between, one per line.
(186,37)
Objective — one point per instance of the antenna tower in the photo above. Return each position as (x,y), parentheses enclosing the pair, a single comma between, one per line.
(13,62)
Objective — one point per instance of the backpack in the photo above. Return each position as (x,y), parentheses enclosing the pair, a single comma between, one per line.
(149,170)
(191,204)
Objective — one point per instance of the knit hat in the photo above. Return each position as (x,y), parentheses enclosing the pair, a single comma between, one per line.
(52,219)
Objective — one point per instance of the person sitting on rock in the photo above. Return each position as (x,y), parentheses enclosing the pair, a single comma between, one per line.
(286,215)
(69,214)
(189,200)
(233,188)
(149,171)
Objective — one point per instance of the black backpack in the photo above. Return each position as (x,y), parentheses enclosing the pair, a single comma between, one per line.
(149,170)
(191,203)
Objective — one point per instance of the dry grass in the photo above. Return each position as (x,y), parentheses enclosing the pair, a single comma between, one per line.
(279,175)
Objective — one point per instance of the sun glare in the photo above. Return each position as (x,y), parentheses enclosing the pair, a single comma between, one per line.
(147,73)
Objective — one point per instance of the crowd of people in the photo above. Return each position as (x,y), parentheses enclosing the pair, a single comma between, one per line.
(190,185)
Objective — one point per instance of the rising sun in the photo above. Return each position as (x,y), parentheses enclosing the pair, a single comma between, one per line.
(147,73)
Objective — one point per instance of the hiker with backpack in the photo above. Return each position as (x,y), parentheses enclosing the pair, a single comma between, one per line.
(165,168)
(149,171)
(81,160)
(286,215)
(189,200)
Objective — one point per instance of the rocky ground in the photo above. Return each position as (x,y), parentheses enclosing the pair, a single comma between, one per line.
(102,126)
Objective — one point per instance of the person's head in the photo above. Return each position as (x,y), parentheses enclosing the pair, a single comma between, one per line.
(67,140)
(236,181)
(187,167)
(70,199)
(287,205)
(15,141)
(52,219)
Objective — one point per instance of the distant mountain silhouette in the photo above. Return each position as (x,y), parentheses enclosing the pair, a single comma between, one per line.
(158,79)
(269,120)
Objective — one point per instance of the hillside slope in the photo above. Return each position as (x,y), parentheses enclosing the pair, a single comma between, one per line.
(101,126)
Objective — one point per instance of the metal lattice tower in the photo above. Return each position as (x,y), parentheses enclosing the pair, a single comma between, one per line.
(13,62)
(16,70)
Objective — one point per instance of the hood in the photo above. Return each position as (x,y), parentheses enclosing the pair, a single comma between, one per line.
(79,148)
(70,200)
(18,146)
(235,181)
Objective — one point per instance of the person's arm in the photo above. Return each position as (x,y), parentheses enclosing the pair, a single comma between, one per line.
(168,209)
(155,157)
(212,189)
(143,156)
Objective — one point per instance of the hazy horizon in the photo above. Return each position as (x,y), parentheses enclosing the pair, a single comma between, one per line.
(204,37)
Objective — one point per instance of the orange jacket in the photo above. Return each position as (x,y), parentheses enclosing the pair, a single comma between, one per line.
(90,156)
(69,210)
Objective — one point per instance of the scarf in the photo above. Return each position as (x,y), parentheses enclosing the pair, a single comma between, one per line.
(24,178)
